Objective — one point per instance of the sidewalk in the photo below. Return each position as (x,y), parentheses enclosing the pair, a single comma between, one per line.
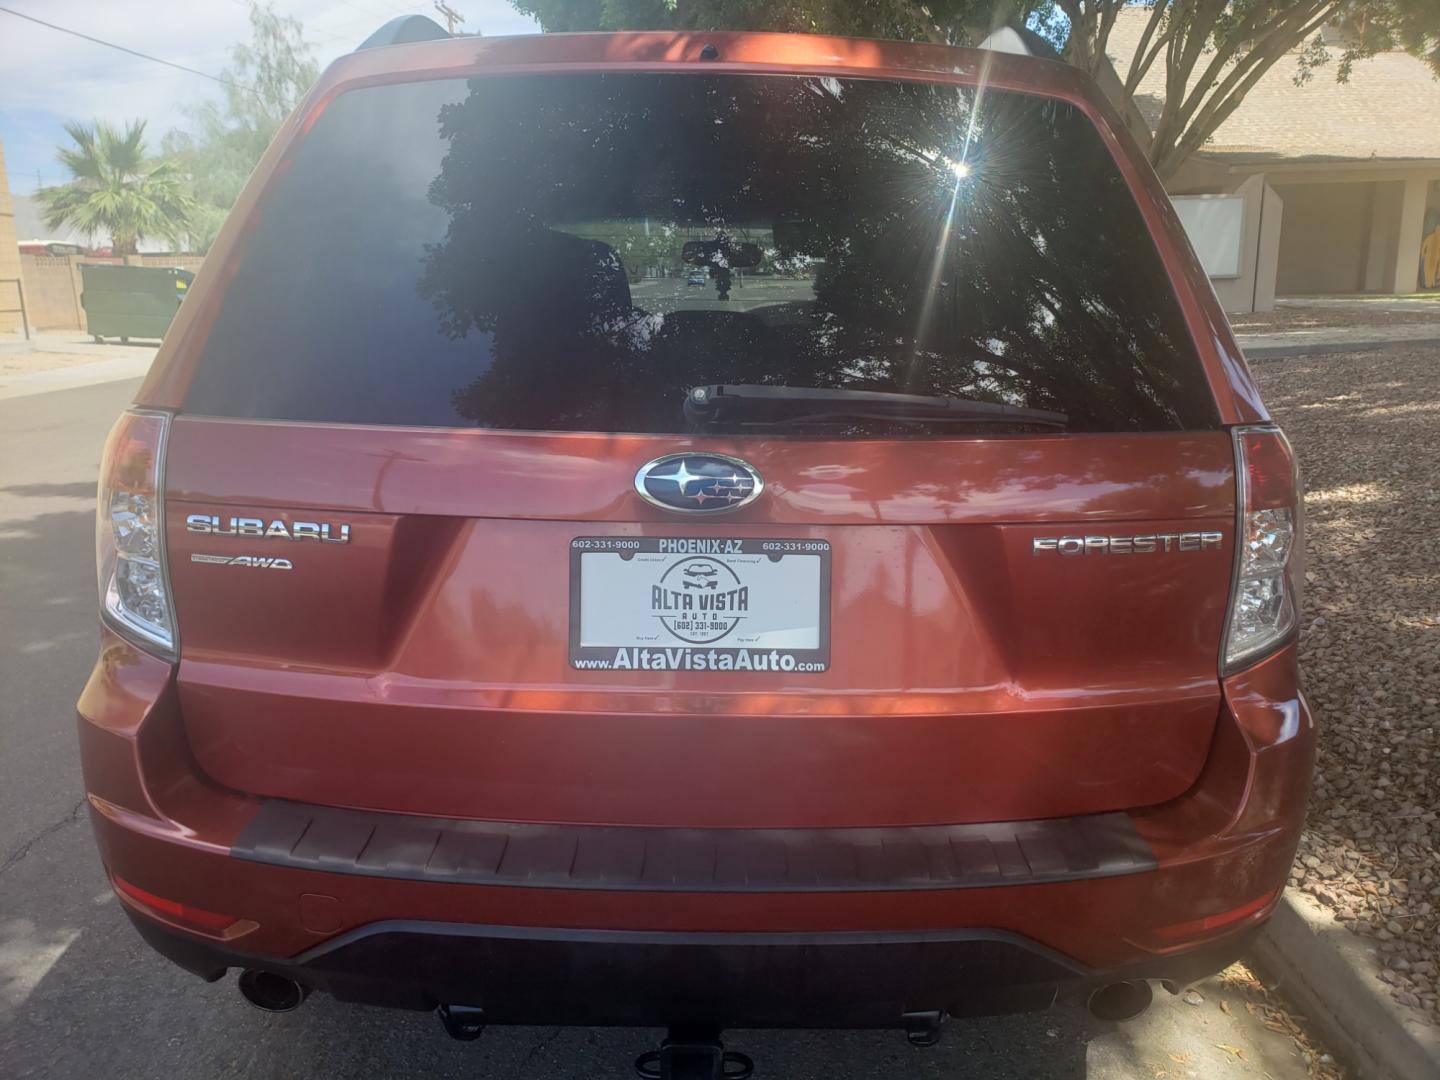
(1300,341)
(63,360)
(1302,325)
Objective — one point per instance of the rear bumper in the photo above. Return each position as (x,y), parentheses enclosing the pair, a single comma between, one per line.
(521,975)
(569,938)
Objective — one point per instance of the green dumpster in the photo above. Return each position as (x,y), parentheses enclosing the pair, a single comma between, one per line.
(131,301)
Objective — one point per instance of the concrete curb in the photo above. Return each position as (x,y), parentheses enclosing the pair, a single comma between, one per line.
(1326,348)
(1330,975)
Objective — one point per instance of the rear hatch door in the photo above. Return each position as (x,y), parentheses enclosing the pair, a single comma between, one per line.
(413,568)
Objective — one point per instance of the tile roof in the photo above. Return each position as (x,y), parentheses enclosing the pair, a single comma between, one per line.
(1389,110)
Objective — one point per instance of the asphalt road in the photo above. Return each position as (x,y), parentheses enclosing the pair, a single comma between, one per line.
(81,996)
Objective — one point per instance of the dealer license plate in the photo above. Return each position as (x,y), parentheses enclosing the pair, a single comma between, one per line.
(699,604)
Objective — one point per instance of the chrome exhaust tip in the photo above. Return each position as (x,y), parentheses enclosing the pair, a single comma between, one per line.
(1121,1001)
(271,993)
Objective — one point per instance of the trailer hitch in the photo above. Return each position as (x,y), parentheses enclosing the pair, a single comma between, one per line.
(465,1023)
(692,1052)
(923,1028)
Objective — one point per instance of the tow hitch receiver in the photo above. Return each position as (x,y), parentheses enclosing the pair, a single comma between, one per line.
(463,1022)
(693,1053)
(922,1028)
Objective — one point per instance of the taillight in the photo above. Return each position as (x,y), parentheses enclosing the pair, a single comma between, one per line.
(135,595)
(1265,596)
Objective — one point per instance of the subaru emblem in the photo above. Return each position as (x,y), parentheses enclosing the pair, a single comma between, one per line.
(698,483)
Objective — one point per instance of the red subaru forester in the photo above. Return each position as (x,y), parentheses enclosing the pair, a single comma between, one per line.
(698,530)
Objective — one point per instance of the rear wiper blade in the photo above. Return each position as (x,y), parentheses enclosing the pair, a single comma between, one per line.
(752,404)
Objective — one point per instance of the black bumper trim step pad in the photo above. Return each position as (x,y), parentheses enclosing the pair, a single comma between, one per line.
(692,860)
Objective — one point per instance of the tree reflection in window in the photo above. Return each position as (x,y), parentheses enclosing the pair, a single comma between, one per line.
(895,257)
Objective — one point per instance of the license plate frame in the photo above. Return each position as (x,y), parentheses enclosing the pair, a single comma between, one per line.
(739,636)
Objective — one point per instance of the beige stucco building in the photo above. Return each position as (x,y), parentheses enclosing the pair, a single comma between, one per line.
(9,256)
(1339,182)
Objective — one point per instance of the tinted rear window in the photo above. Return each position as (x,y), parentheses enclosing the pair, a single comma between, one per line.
(574,252)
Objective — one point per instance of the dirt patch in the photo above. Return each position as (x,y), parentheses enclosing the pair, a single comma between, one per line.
(27,363)
(1365,428)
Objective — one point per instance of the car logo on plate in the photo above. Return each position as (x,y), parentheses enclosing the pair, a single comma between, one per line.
(698,483)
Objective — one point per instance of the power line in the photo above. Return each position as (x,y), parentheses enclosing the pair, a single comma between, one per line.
(132,52)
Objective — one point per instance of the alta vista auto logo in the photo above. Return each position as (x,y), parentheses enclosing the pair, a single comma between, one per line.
(699,600)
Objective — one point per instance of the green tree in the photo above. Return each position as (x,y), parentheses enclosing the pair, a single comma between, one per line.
(117,189)
(1213,51)
(267,77)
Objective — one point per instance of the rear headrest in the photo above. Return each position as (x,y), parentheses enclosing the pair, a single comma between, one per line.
(572,270)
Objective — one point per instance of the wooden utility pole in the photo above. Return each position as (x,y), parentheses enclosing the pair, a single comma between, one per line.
(452,17)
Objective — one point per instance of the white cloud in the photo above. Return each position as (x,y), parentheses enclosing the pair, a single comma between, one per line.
(47,77)
(45,71)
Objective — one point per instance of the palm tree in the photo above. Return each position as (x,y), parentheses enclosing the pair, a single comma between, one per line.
(117,190)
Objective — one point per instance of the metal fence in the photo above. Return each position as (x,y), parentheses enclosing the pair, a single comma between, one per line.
(20,293)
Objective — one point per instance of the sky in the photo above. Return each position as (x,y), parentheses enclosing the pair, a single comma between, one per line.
(48,78)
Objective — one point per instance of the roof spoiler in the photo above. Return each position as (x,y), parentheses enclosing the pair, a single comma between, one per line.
(405,29)
(402,31)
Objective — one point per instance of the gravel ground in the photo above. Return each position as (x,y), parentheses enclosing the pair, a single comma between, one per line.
(1366,427)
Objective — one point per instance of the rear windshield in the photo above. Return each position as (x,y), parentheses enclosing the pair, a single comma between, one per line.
(578,252)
